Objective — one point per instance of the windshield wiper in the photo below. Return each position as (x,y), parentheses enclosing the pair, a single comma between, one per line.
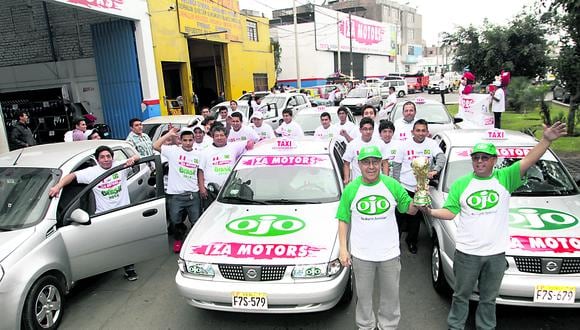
(537,193)
(288,201)
(436,122)
(242,200)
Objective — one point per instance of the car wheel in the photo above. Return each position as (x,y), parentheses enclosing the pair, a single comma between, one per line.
(348,290)
(43,308)
(401,94)
(437,275)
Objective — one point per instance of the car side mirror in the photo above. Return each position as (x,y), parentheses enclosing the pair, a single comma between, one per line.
(81,217)
(457,120)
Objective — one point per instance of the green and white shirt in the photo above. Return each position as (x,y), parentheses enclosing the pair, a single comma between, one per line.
(483,208)
(370,211)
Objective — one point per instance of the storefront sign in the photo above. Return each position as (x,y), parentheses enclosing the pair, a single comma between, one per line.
(134,9)
(543,244)
(212,20)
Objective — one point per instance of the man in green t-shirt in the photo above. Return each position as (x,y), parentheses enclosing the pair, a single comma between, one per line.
(368,206)
(479,201)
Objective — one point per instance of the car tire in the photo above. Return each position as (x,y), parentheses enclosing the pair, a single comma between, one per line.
(401,94)
(437,274)
(46,296)
(348,290)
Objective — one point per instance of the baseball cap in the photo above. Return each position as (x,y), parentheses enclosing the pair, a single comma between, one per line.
(257,115)
(370,151)
(198,127)
(486,148)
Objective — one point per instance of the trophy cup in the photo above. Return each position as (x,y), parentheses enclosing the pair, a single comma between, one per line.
(420,166)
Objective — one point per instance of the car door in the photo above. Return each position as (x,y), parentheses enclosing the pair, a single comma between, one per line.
(137,175)
(117,237)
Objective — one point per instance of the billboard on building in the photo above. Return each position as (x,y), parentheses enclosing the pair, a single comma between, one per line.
(368,37)
(414,54)
(212,20)
(133,9)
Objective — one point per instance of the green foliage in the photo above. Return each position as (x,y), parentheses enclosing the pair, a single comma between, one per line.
(277,55)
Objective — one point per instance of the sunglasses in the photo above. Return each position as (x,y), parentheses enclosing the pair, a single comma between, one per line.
(483,158)
(370,161)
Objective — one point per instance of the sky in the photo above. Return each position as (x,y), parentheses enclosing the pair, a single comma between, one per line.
(438,15)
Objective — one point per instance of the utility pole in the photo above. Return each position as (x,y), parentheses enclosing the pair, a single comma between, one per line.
(350,38)
(338,41)
(298,83)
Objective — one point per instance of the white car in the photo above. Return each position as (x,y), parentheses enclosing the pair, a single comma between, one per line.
(155,126)
(48,244)
(309,119)
(434,112)
(272,106)
(270,245)
(361,96)
(543,261)
(399,84)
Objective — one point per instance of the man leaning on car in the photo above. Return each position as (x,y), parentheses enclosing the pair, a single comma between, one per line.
(482,232)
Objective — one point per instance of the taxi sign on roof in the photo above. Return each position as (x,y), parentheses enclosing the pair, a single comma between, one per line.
(321,108)
(420,100)
(495,134)
(284,144)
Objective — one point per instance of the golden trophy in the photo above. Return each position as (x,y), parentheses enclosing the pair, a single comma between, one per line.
(420,166)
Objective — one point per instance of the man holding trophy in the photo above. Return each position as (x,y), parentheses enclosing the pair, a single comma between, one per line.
(419,147)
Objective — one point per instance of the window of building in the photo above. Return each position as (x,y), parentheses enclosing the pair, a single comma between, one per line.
(411,34)
(252,30)
(260,82)
(394,13)
(410,18)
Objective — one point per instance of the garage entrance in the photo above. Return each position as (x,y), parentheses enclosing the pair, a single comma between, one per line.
(207,63)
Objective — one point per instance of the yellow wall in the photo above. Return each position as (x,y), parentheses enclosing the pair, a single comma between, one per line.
(245,59)
(169,45)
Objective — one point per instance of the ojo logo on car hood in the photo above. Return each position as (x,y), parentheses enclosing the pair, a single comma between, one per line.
(265,225)
(373,205)
(541,219)
(483,199)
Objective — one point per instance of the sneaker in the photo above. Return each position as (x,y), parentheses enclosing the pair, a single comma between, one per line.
(177,246)
(131,275)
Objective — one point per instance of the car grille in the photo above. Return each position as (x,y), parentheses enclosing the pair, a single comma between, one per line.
(534,265)
(268,273)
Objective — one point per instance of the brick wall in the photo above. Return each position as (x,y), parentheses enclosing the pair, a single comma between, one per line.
(25,38)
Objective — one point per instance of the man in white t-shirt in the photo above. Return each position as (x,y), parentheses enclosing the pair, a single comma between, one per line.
(239,131)
(332,97)
(390,103)
(217,162)
(497,103)
(404,125)
(182,189)
(418,146)
(112,192)
(223,113)
(350,168)
(200,139)
(368,111)
(263,131)
(289,128)
(346,128)
(483,232)
(389,148)
(326,130)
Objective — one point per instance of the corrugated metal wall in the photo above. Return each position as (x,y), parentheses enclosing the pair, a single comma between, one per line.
(118,74)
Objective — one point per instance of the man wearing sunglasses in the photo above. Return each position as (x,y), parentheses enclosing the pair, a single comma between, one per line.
(479,201)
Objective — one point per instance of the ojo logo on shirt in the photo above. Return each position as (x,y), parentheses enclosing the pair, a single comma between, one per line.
(483,199)
(373,205)
(541,219)
(265,225)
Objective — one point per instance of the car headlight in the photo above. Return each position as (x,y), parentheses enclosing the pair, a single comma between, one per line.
(195,268)
(317,270)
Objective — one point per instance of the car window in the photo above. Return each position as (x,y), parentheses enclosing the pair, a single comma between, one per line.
(432,113)
(150,129)
(338,152)
(292,102)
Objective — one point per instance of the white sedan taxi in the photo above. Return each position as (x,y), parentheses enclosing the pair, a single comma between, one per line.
(543,261)
(269,243)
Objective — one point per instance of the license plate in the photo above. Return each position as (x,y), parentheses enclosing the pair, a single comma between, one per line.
(249,300)
(554,294)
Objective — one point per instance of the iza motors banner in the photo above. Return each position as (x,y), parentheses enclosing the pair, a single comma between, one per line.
(368,36)
(132,9)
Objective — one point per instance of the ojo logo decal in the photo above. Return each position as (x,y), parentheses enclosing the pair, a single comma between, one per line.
(373,205)
(265,225)
(541,219)
(483,199)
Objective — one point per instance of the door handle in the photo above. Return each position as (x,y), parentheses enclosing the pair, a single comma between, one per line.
(150,212)
(140,181)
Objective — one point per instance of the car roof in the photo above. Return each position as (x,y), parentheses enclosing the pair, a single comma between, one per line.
(54,155)
(307,145)
(469,137)
(178,119)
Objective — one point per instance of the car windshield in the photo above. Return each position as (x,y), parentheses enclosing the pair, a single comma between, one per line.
(276,99)
(308,179)
(358,92)
(545,178)
(432,113)
(23,195)
(310,121)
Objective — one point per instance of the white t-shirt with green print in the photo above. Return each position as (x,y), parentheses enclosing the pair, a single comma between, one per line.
(370,211)
(483,208)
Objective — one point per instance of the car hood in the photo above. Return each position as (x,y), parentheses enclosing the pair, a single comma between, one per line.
(273,234)
(545,226)
(10,240)
(353,101)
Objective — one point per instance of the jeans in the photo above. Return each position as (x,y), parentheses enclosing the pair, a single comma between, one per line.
(409,223)
(180,204)
(497,118)
(468,270)
(389,311)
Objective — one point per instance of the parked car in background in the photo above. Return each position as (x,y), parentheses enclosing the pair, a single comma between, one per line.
(273,104)
(309,119)
(399,84)
(358,97)
(155,126)
(243,104)
(561,94)
(542,264)
(434,86)
(434,112)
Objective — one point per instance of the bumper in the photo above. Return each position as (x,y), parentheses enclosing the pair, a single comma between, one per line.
(518,289)
(295,297)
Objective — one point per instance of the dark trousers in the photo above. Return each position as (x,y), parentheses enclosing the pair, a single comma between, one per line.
(409,223)
(442,96)
(497,117)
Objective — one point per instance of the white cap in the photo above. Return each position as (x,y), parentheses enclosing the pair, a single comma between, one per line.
(257,115)
(200,127)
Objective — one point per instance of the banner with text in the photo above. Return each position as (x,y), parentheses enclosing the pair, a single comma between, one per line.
(475,109)
(212,20)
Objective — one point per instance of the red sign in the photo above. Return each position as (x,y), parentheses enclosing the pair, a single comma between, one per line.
(102,4)
(366,34)
(540,244)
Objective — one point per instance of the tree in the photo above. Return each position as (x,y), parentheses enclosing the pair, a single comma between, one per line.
(519,47)
(277,54)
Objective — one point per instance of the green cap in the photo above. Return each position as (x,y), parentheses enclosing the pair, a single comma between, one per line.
(486,148)
(370,151)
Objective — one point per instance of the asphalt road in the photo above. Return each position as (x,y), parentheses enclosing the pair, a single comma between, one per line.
(108,301)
